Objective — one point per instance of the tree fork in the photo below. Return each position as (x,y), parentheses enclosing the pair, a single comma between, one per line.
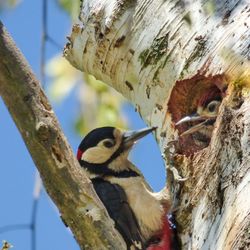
(64,180)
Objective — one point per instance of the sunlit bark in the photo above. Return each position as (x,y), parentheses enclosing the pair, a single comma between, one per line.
(163,56)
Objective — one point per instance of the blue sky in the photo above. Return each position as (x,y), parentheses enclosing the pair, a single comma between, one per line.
(17,168)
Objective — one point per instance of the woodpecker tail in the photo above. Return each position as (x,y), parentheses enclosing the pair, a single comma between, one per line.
(167,239)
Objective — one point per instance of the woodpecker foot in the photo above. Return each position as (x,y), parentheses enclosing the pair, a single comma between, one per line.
(176,175)
(168,156)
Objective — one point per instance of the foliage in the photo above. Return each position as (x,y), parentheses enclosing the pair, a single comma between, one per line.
(99,104)
(5,4)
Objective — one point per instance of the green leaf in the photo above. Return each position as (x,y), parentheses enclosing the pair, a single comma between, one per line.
(6,4)
(64,78)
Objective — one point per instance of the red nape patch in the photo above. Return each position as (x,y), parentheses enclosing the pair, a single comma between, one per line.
(79,154)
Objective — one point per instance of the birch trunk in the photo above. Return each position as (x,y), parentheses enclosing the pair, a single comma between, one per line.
(163,56)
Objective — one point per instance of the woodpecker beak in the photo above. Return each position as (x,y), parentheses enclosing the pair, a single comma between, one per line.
(130,137)
(205,120)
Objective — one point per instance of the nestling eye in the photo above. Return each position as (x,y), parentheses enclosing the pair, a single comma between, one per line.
(213,106)
(109,143)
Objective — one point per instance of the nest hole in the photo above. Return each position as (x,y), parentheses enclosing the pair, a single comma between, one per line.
(189,97)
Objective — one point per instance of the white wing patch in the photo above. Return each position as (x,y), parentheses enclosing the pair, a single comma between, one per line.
(137,244)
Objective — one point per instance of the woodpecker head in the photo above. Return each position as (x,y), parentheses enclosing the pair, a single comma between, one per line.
(105,149)
(201,122)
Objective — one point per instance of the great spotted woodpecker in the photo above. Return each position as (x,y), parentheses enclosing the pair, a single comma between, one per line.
(202,121)
(139,214)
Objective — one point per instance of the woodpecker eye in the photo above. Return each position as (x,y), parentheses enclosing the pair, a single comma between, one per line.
(108,143)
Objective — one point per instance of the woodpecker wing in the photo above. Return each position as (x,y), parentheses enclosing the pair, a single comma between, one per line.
(115,200)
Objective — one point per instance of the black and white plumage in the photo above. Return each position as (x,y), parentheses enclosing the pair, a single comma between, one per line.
(115,200)
(130,202)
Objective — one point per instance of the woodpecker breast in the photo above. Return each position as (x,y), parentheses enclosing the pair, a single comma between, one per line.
(145,204)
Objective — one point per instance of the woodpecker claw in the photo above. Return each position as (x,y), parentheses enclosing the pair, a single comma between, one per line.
(176,175)
(169,152)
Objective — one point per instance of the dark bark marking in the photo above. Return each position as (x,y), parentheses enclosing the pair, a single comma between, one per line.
(148,91)
(129,85)
(159,106)
(119,41)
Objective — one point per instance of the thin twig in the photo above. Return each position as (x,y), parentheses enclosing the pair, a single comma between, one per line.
(38,183)
(36,196)
(53,42)
(32,225)
(14,227)
(45,37)
(43,42)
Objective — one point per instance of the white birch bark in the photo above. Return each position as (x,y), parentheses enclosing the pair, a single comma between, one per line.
(161,55)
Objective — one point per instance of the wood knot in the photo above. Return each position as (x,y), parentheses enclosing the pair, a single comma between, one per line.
(42,131)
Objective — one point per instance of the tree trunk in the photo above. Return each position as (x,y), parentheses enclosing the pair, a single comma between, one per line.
(164,57)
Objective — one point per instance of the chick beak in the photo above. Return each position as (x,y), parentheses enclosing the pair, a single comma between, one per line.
(191,118)
(194,118)
(196,128)
(131,137)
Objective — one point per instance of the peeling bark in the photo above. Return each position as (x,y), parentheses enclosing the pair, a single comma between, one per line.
(164,56)
(64,180)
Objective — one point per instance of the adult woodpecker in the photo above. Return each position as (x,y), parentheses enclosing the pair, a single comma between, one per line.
(138,213)
(202,120)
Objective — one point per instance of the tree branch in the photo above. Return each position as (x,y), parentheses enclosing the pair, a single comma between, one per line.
(64,180)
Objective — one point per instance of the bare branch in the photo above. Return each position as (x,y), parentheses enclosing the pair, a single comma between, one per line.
(14,227)
(43,42)
(32,225)
(45,37)
(36,196)
(64,180)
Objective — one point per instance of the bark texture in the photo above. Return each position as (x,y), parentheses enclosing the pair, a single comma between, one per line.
(63,178)
(164,56)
